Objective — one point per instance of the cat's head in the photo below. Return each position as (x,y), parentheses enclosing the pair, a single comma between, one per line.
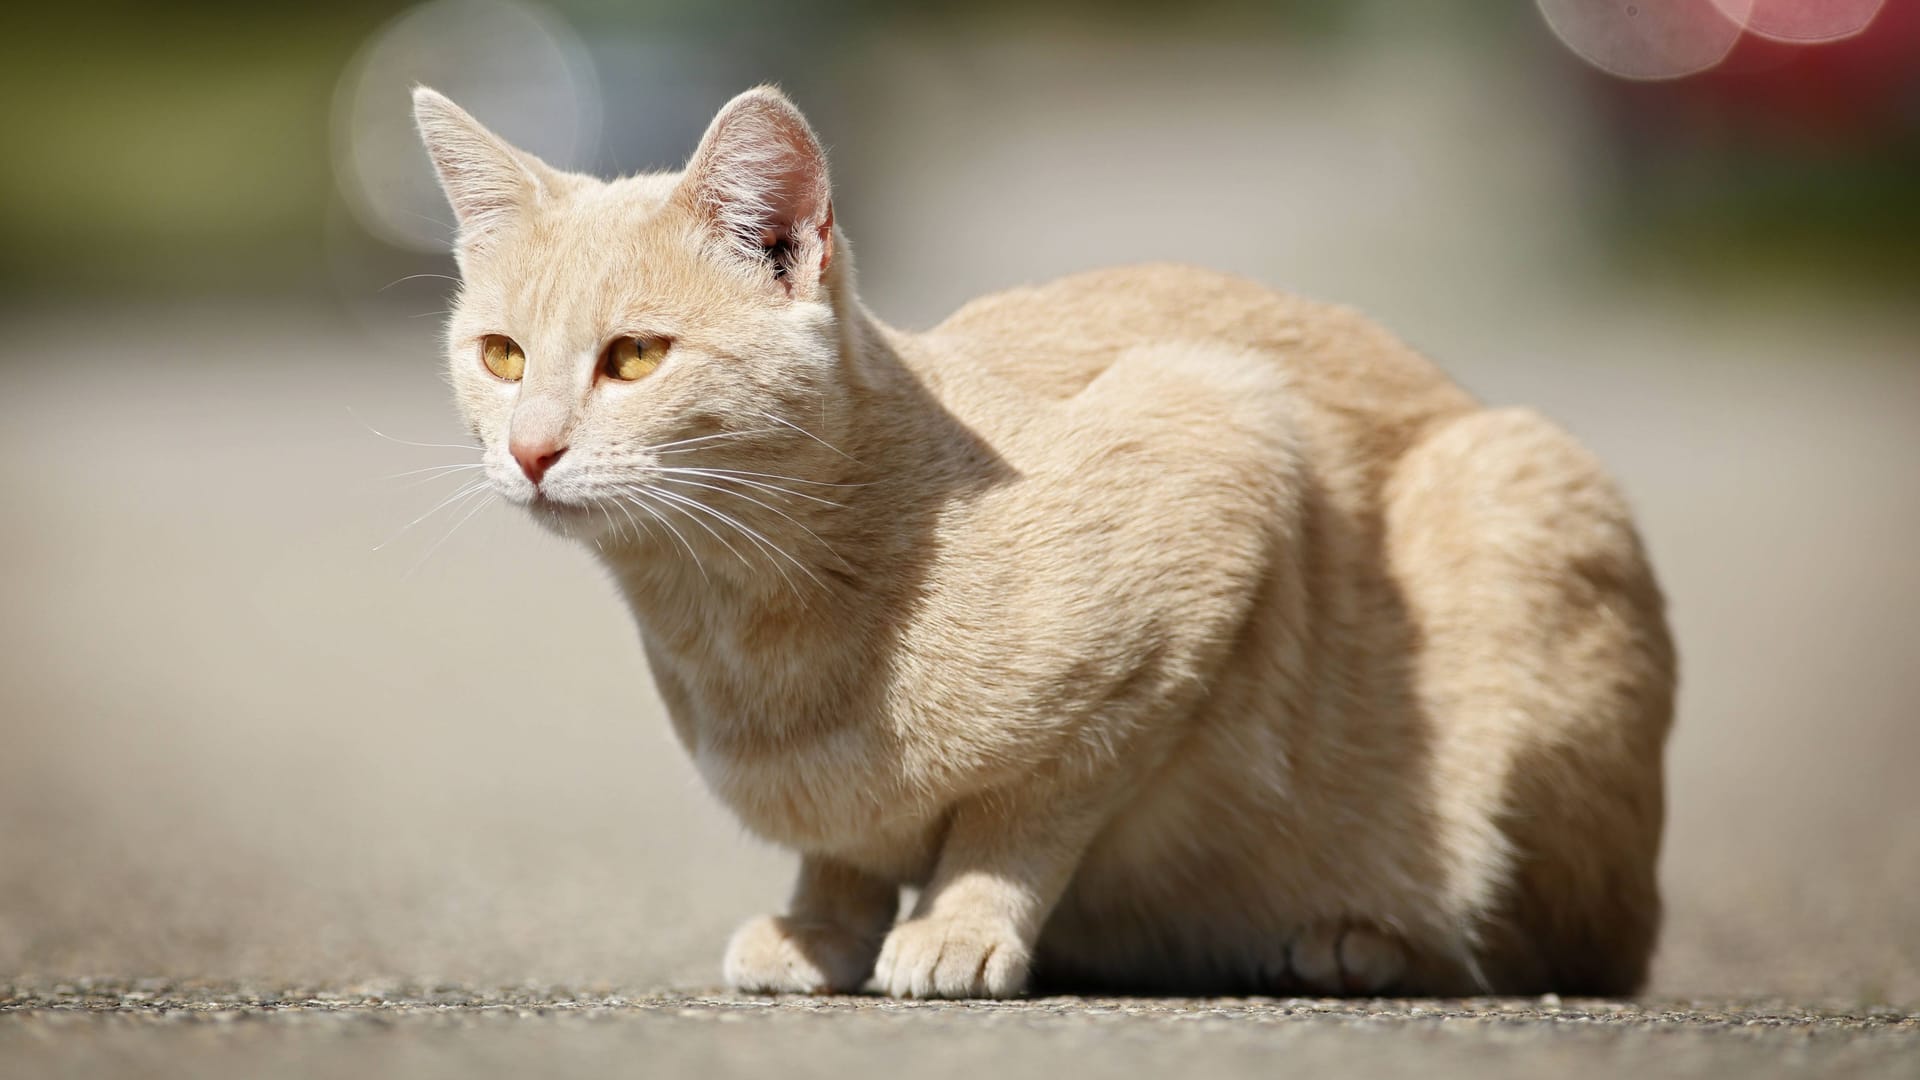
(607,333)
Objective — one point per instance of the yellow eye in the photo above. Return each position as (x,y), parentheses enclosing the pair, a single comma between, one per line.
(631,359)
(503,357)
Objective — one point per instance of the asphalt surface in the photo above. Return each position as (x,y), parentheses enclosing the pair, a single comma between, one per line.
(161,1028)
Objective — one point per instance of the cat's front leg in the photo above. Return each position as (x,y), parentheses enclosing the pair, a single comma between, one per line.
(1002,867)
(827,940)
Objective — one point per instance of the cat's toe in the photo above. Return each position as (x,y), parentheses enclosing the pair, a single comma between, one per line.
(772,954)
(935,957)
(1370,960)
(1346,958)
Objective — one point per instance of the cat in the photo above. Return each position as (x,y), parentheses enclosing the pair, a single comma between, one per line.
(1159,630)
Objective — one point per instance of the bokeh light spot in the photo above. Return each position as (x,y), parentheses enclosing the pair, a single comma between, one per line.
(519,68)
(1803,20)
(1651,39)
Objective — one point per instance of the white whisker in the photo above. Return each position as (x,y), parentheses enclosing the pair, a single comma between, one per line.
(707,438)
(477,507)
(677,503)
(684,501)
(661,518)
(465,491)
(406,442)
(771,509)
(721,474)
(437,469)
(631,520)
(812,436)
(749,531)
(411,277)
(777,476)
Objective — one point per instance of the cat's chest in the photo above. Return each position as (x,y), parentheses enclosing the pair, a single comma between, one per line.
(810,770)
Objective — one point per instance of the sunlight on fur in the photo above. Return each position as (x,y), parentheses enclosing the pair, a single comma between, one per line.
(1164,631)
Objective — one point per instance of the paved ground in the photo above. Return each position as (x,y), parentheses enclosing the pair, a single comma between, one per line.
(168,1029)
(242,745)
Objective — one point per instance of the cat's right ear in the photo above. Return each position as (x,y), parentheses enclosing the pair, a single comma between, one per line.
(488,182)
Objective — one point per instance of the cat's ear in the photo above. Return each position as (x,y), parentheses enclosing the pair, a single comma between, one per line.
(488,181)
(759,181)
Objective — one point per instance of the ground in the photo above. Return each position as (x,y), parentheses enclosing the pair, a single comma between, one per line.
(242,745)
(192,1030)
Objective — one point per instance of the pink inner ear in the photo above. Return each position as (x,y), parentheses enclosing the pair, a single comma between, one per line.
(784,196)
(826,238)
(762,179)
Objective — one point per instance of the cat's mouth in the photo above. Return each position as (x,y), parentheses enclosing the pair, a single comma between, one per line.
(549,507)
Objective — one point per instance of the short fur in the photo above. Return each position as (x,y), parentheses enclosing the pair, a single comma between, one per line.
(1165,631)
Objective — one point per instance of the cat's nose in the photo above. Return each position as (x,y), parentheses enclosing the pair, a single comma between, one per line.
(536,457)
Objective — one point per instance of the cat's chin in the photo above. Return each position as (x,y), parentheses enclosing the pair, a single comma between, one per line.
(574,521)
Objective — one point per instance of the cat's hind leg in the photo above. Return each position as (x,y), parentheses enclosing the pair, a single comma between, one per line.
(1547,672)
(1346,958)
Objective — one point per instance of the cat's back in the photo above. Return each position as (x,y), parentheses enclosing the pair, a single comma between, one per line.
(1053,339)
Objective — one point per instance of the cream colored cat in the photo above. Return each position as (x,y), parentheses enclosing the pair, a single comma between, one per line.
(1164,631)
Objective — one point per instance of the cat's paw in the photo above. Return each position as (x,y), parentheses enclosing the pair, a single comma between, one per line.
(1346,958)
(953,957)
(772,954)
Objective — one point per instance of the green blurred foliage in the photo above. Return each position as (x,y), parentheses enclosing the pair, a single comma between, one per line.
(1757,215)
(169,146)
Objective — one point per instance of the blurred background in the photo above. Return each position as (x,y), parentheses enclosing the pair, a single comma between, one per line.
(271,706)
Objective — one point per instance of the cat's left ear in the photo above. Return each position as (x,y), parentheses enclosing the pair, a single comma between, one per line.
(759,180)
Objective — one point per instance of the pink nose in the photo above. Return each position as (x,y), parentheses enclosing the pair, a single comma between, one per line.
(536,458)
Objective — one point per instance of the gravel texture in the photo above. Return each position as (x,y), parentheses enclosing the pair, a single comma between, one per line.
(166,1028)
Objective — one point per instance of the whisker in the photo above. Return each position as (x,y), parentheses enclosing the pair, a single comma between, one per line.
(759,543)
(697,448)
(748,531)
(710,529)
(611,524)
(433,220)
(707,438)
(714,474)
(631,521)
(465,491)
(777,476)
(410,277)
(425,480)
(477,507)
(812,436)
(406,442)
(661,518)
(437,469)
(771,509)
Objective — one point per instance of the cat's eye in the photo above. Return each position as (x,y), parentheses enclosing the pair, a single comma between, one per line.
(631,359)
(503,357)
